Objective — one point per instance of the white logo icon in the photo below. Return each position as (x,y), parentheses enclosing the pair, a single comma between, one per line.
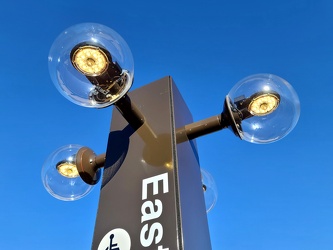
(116,239)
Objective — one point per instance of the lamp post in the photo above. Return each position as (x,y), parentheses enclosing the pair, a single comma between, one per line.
(152,192)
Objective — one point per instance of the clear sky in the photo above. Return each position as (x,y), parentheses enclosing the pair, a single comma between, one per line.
(271,197)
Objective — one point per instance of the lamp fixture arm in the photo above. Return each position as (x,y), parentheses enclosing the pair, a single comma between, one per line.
(100,160)
(130,112)
(202,127)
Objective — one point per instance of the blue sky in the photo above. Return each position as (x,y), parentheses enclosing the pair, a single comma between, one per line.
(271,197)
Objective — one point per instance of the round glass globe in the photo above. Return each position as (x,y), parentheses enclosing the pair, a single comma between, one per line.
(274,107)
(60,177)
(209,188)
(93,44)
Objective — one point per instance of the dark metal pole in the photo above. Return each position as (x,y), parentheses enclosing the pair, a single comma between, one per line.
(151,195)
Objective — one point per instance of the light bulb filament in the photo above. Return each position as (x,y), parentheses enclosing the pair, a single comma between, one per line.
(90,60)
(264,104)
(67,169)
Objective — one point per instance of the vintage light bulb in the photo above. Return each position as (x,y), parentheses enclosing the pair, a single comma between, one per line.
(60,176)
(209,188)
(91,65)
(262,108)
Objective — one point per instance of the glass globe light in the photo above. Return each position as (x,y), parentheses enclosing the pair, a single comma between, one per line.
(210,190)
(60,176)
(91,65)
(267,108)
